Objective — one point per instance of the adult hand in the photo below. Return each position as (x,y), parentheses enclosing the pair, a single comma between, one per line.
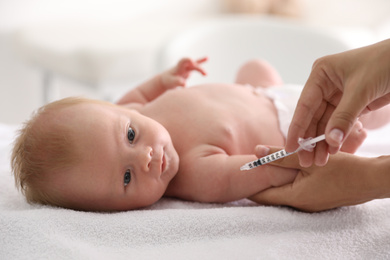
(345,180)
(340,88)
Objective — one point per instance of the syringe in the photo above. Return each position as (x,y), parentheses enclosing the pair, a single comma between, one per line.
(304,144)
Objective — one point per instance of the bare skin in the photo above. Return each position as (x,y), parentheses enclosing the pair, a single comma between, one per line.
(212,129)
(162,140)
(217,143)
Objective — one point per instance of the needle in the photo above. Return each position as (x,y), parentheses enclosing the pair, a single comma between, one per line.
(304,144)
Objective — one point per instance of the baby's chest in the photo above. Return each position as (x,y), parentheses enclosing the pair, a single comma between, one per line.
(235,121)
(226,134)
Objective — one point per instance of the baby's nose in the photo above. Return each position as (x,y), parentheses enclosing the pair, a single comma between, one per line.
(146,158)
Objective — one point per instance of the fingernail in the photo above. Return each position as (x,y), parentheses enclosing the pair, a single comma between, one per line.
(336,135)
(262,149)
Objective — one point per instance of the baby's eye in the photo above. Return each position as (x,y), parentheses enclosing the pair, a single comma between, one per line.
(127,177)
(130,135)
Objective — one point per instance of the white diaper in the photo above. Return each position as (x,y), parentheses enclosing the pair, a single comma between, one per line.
(285,99)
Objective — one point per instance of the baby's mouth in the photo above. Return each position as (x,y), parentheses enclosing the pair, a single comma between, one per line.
(163,163)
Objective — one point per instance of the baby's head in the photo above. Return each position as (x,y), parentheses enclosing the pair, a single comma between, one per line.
(92,155)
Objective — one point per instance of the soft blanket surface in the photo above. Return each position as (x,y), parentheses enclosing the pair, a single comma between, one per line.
(174,229)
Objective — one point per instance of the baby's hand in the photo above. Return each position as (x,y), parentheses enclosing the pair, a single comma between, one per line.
(178,75)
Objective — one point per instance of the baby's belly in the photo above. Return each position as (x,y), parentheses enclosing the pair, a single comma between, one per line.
(262,129)
(261,121)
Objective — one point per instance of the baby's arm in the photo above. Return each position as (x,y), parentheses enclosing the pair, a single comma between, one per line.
(157,85)
(218,178)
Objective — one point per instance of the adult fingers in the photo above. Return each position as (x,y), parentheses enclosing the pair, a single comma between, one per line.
(321,151)
(308,111)
(343,119)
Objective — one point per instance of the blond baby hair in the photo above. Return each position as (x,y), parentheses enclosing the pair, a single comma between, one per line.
(44,146)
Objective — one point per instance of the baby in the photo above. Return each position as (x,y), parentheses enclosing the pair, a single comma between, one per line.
(158,140)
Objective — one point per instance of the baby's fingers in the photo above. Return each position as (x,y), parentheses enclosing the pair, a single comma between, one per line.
(197,66)
(186,65)
(201,60)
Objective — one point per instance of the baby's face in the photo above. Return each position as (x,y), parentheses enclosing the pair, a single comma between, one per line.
(127,159)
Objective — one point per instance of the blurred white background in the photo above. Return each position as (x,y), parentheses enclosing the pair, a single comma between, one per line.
(134,29)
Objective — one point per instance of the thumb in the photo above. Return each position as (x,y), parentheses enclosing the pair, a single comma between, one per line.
(343,118)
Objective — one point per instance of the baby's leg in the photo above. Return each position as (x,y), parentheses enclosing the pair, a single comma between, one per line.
(258,73)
